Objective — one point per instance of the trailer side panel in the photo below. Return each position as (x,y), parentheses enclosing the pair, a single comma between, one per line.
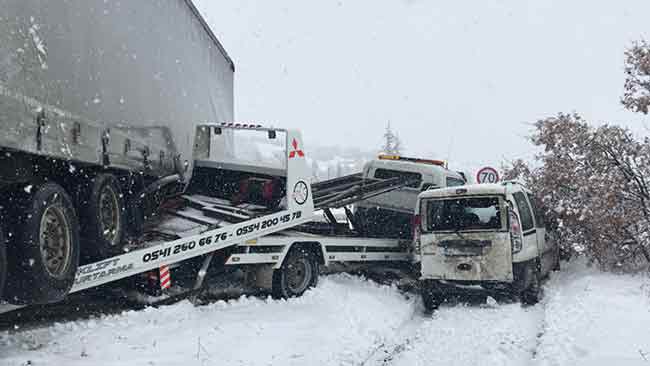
(88,80)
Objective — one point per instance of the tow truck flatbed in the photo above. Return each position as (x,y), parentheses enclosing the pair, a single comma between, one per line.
(199,225)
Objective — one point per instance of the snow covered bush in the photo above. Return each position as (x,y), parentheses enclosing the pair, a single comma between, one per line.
(591,183)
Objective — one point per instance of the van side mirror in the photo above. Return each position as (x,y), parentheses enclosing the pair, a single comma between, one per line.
(271,134)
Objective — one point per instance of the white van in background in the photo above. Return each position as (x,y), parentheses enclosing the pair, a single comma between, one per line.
(390,214)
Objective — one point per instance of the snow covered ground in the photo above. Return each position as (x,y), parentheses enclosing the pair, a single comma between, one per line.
(586,318)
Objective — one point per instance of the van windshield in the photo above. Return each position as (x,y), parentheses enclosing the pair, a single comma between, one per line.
(468,213)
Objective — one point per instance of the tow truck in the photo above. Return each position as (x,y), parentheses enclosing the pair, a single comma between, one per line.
(262,221)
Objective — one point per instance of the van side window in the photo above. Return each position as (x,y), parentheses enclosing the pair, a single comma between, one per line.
(453,182)
(524,211)
(539,217)
(387,173)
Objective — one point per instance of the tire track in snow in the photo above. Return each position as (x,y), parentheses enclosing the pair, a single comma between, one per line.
(405,332)
(460,334)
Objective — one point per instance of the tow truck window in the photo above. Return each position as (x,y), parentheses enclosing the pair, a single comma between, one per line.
(476,213)
(524,211)
(387,173)
(453,182)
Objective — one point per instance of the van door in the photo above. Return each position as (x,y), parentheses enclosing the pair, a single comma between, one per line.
(530,247)
(546,247)
(465,238)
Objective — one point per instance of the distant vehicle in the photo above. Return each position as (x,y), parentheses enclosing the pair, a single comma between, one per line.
(481,237)
(390,214)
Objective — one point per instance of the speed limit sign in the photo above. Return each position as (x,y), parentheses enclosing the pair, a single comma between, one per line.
(487,175)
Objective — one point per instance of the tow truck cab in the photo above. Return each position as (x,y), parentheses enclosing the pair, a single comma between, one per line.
(484,236)
(390,214)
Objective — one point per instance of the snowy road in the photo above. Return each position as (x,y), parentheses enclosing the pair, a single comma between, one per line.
(585,318)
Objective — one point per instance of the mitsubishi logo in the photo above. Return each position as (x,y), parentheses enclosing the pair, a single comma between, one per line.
(295,151)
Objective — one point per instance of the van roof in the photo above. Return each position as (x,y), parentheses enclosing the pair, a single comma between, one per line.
(473,189)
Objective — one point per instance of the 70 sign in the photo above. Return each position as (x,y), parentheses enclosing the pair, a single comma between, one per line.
(487,175)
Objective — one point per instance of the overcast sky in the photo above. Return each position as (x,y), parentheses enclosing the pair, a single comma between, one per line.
(458,78)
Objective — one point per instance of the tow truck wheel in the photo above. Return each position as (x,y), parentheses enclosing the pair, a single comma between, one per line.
(298,273)
(103,218)
(431,296)
(43,250)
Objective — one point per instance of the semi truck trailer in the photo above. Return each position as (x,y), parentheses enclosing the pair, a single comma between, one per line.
(99,107)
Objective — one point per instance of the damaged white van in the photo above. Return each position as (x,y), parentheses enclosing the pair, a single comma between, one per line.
(486,237)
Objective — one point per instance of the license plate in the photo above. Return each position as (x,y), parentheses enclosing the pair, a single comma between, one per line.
(463,251)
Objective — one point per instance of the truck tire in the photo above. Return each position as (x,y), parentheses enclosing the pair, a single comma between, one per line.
(431,296)
(3,262)
(103,218)
(298,273)
(43,252)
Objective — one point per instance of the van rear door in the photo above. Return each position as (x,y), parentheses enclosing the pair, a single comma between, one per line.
(465,238)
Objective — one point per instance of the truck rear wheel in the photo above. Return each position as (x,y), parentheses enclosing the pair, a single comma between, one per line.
(103,218)
(43,252)
(3,262)
(298,273)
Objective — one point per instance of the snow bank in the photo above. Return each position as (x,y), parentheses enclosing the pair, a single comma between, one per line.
(586,318)
(334,324)
(594,318)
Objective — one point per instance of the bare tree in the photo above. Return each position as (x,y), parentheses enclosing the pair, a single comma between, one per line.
(392,143)
(592,186)
(397,146)
(636,95)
